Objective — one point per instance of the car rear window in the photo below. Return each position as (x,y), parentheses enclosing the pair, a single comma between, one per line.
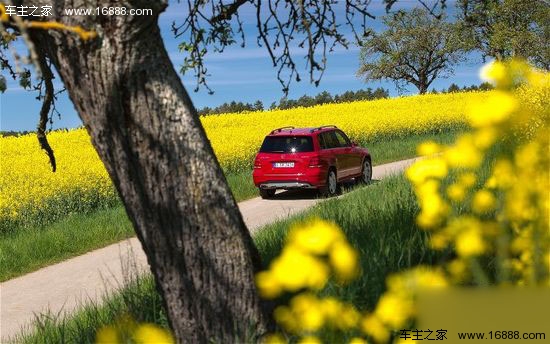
(287,144)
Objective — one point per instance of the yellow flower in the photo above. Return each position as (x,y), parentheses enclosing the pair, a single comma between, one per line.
(537,79)
(528,155)
(398,283)
(357,340)
(107,335)
(429,278)
(458,269)
(311,320)
(494,72)
(394,310)
(427,168)
(494,110)
(149,333)
(274,338)
(310,340)
(429,188)
(467,179)
(318,274)
(491,183)
(483,202)
(348,318)
(404,285)
(485,137)
(456,192)
(284,317)
(526,257)
(519,205)
(344,260)
(519,71)
(503,174)
(439,241)
(470,243)
(428,148)
(316,236)
(433,207)
(464,153)
(428,220)
(268,285)
(294,270)
(307,311)
(374,327)
(332,308)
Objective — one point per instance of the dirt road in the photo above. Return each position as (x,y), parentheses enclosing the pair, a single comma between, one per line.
(63,287)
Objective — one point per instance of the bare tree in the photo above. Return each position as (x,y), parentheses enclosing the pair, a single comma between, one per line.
(416,48)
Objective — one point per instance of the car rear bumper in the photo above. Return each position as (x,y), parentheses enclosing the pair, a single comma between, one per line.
(286,185)
(315,178)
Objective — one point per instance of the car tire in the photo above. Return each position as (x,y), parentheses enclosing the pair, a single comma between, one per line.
(366,172)
(267,193)
(331,187)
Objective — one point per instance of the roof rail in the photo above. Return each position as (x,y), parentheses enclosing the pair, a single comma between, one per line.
(322,127)
(278,130)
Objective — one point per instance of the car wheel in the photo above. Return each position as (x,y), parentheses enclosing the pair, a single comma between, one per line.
(331,188)
(267,193)
(366,172)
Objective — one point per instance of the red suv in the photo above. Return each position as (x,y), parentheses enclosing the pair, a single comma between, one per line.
(309,158)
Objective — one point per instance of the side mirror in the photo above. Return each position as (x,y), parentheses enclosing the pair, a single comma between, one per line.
(354,144)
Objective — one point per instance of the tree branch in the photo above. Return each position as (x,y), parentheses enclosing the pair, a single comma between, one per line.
(281,25)
(227,11)
(47,101)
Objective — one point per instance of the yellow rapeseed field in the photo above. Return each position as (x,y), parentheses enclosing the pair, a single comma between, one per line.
(30,190)
(237,137)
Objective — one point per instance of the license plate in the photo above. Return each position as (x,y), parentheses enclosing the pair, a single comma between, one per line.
(283,164)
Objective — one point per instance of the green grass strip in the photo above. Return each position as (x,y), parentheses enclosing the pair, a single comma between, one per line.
(30,249)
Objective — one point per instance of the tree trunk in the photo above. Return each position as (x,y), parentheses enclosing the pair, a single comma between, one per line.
(147,133)
(422,84)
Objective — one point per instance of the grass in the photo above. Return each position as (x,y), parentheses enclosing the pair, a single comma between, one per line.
(138,299)
(378,220)
(25,249)
(405,147)
(28,249)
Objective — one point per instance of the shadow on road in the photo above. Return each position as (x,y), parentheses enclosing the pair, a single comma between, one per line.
(312,193)
(296,194)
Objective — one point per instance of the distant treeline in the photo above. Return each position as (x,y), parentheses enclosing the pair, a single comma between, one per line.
(14,133)
(325,98)
(285,103)
(485,86)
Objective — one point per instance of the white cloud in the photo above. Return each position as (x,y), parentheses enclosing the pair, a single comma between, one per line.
(256,53)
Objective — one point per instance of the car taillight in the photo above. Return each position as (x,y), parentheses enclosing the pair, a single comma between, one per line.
(315,162)
(257,163)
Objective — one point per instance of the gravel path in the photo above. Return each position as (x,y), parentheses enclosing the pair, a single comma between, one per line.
(63,287)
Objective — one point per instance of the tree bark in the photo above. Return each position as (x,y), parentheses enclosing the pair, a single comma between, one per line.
(148,134)
(422,88)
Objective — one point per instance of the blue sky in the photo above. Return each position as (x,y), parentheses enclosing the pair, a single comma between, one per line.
(240,74)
